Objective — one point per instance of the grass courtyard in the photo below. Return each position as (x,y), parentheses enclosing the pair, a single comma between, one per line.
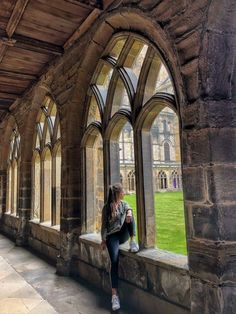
(170,224)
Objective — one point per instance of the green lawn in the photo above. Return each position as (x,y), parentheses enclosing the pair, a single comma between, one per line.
(170,225)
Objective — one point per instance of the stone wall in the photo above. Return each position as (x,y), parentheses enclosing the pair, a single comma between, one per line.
(152,281)
(45,240)
(10,225)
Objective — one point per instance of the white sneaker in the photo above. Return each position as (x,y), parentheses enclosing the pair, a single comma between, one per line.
(134,247)
(115,302)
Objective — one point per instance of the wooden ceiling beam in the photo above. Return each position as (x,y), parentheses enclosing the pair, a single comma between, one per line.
(4,43)
(3,49)
(17,75)
(89,4)
(88,22)
(5,104)
(37,45)
(16,15)
(30,44)
(9,96)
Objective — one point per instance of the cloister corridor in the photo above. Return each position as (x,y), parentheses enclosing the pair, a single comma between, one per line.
(31,285)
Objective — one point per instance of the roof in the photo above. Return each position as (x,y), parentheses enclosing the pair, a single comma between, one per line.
(32,34)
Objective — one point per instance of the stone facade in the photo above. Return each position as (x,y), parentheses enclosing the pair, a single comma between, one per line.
(167,175)
(196,40)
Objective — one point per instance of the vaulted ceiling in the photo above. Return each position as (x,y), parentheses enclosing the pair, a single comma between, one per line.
(32,34)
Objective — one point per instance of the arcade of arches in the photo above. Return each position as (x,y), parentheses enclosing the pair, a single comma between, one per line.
(145,96)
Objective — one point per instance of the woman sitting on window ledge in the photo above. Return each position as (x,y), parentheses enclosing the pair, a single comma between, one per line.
(117,226)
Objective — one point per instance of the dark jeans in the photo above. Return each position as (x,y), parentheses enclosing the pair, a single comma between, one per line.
(113,242)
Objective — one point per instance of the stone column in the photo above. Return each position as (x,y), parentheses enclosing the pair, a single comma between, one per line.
(24,203)
(3,191)
(209,165)
(72,206)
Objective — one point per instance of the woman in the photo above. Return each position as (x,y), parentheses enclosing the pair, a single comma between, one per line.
(117,226)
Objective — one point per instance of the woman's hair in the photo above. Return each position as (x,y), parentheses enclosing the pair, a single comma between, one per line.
(113,195)
(114,192)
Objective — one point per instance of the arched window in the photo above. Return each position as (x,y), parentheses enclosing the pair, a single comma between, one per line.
(131,91)
(126,145)
(13,172)
(166,151)
(131,180)
(175,180)
(93,151)
(162,180)
(46,165)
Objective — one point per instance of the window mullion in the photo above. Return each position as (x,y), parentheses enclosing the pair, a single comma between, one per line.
(138,99)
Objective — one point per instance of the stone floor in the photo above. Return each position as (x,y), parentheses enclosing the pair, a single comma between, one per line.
(28,284)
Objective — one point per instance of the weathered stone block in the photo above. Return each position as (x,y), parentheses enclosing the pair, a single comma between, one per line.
(190,73)
(145,302)
(175,286)
(171,285)
(221,16)
(204,262)
(205,298)
(133,270)
(103,34)
(227,221)
(54,238)
(35,244)
(153,279)
(92,55)
(52,254)
(194,184)
(148,4)
(84,252)
(68,224)
(229,298)
(197,147)
(213,261)
(117,20)
(90,251)
(221,183)
(168,9)
(217,76)
(90,273)
(218,114)
(191,19)
(223,143)
(189,47)
(206,222)
(72,205)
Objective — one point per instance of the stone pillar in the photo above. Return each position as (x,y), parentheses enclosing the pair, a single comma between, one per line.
(209,165)
(24,204)
(71,209)
(72,206)
(209,184)
(3,191)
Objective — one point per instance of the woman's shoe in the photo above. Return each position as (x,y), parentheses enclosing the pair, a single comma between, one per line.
(134,247)
(115,302)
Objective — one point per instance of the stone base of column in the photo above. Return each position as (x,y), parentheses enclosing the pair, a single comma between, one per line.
(68,248)
(63,267)
(22,234)
(211,298)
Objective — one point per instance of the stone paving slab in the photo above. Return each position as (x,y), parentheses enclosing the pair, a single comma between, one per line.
(29,284)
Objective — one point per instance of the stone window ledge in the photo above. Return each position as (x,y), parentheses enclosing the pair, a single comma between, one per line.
(46,225)
(153,256)
(11,214)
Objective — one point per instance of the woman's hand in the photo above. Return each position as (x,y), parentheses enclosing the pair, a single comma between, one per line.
(129,216)
(103,245)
